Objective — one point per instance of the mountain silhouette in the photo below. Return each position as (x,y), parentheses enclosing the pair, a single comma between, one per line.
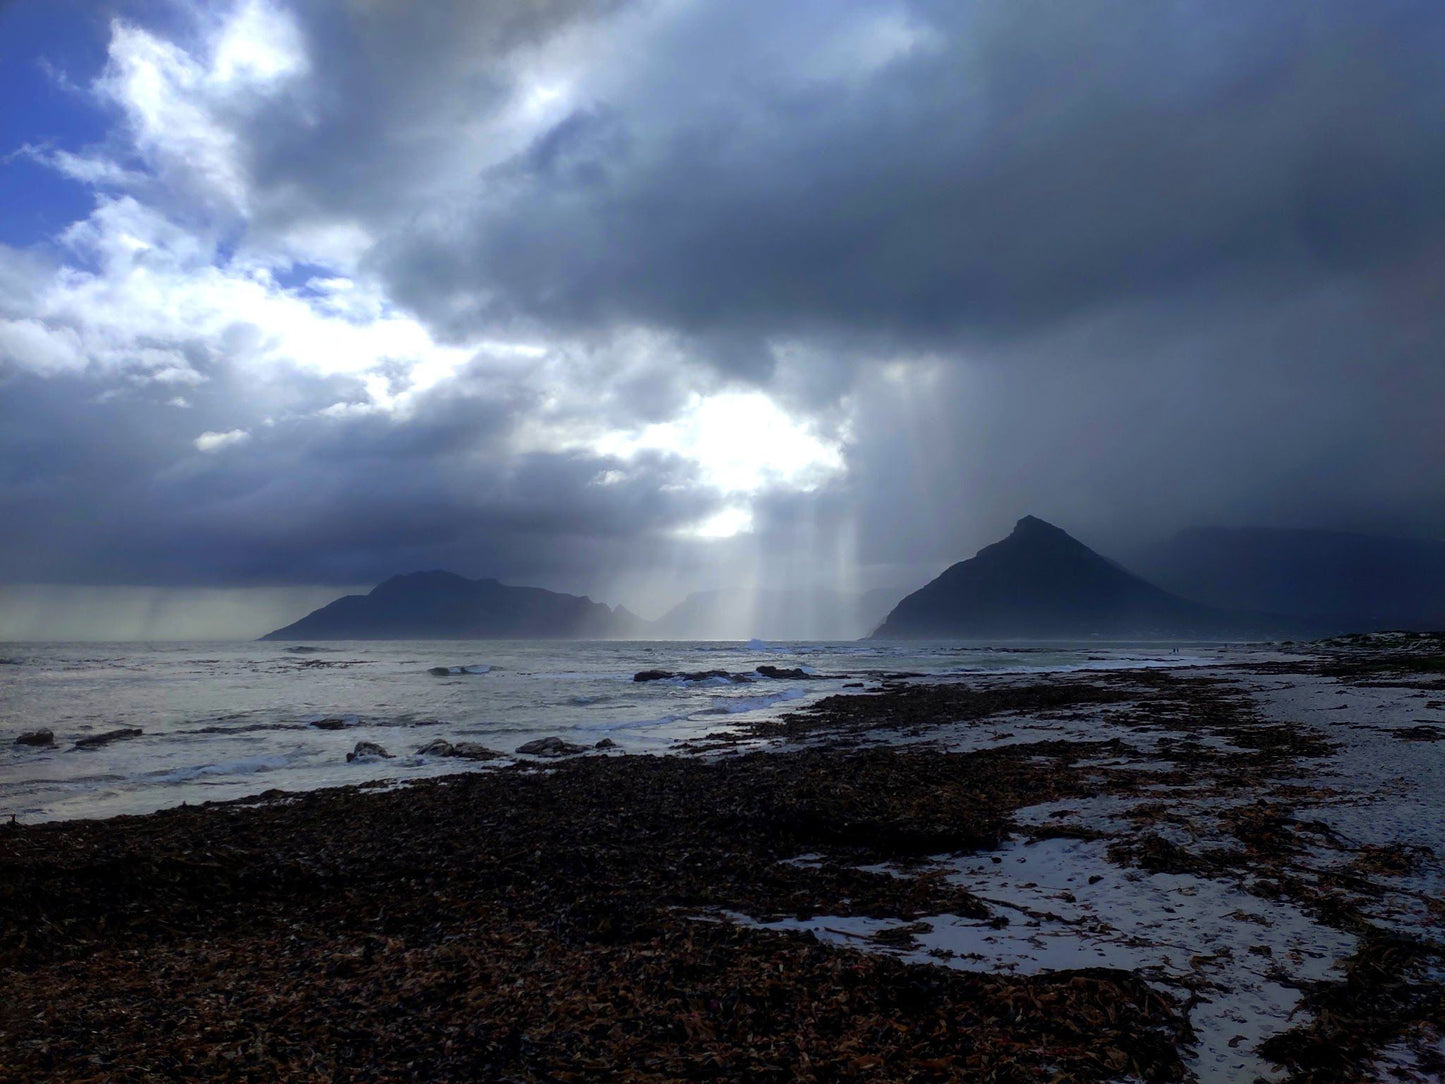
(444,606)
(1041,583)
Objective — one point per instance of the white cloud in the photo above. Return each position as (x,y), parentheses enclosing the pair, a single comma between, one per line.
(210,443)
(43,349)
(151,282)
(863,44)
(183,109)
(93,168)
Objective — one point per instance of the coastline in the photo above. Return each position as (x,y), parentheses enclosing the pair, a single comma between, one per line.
(1079,877)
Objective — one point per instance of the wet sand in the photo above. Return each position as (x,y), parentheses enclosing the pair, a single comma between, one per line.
(1219,872)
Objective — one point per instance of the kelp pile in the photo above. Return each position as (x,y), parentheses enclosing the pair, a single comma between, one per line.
(556,924)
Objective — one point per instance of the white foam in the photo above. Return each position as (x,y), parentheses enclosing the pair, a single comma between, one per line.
(239,766)
(736,705)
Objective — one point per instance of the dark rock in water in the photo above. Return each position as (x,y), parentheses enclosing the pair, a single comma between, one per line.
(707,675)
(367,750)
(96,740)
(301,649)
(11,662)
(36,737)
(1419,733)
(605,743)
(466,750)
(440,671)
(330,724)
(690,675)
(550,747)
(793,674)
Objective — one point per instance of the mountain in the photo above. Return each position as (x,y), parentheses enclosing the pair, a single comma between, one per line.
(444,606)
(803,614)
(1385,582)
(1040,583)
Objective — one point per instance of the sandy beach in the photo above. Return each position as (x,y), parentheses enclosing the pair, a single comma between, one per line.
(1222,873)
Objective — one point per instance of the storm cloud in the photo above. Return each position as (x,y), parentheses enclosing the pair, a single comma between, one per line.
(644,297)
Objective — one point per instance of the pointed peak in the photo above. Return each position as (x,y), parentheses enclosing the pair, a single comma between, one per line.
(1034,525)
(1036,539)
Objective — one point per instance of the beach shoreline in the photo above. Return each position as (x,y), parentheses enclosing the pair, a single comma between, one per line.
(1218,872)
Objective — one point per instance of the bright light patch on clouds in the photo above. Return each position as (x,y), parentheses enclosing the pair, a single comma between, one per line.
(725,523)
(214,442)
(743,442)
(259,44)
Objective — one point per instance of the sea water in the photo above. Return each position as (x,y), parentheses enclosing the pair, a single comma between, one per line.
(227,720)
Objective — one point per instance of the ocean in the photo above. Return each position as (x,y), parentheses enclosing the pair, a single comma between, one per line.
(227,720)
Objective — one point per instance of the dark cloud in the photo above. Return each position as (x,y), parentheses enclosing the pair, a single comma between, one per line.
(1125,266)
(1018,164)
(109,488)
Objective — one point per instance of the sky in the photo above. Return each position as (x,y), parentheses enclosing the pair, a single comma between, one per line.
(637,298)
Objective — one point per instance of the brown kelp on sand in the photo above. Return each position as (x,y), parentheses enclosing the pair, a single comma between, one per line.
(557,924)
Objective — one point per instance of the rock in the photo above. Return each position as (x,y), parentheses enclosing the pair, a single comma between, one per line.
(440,671)
(97,740)
(466,750)
(36,737)
(691,675)
(550,747)
(367,750)
(1419,733)
(605,743)
(329,724)
(795,674)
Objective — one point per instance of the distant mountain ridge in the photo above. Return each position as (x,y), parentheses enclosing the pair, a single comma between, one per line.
(1041,583)
(439,605)
(1038,583)
(1380,582)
